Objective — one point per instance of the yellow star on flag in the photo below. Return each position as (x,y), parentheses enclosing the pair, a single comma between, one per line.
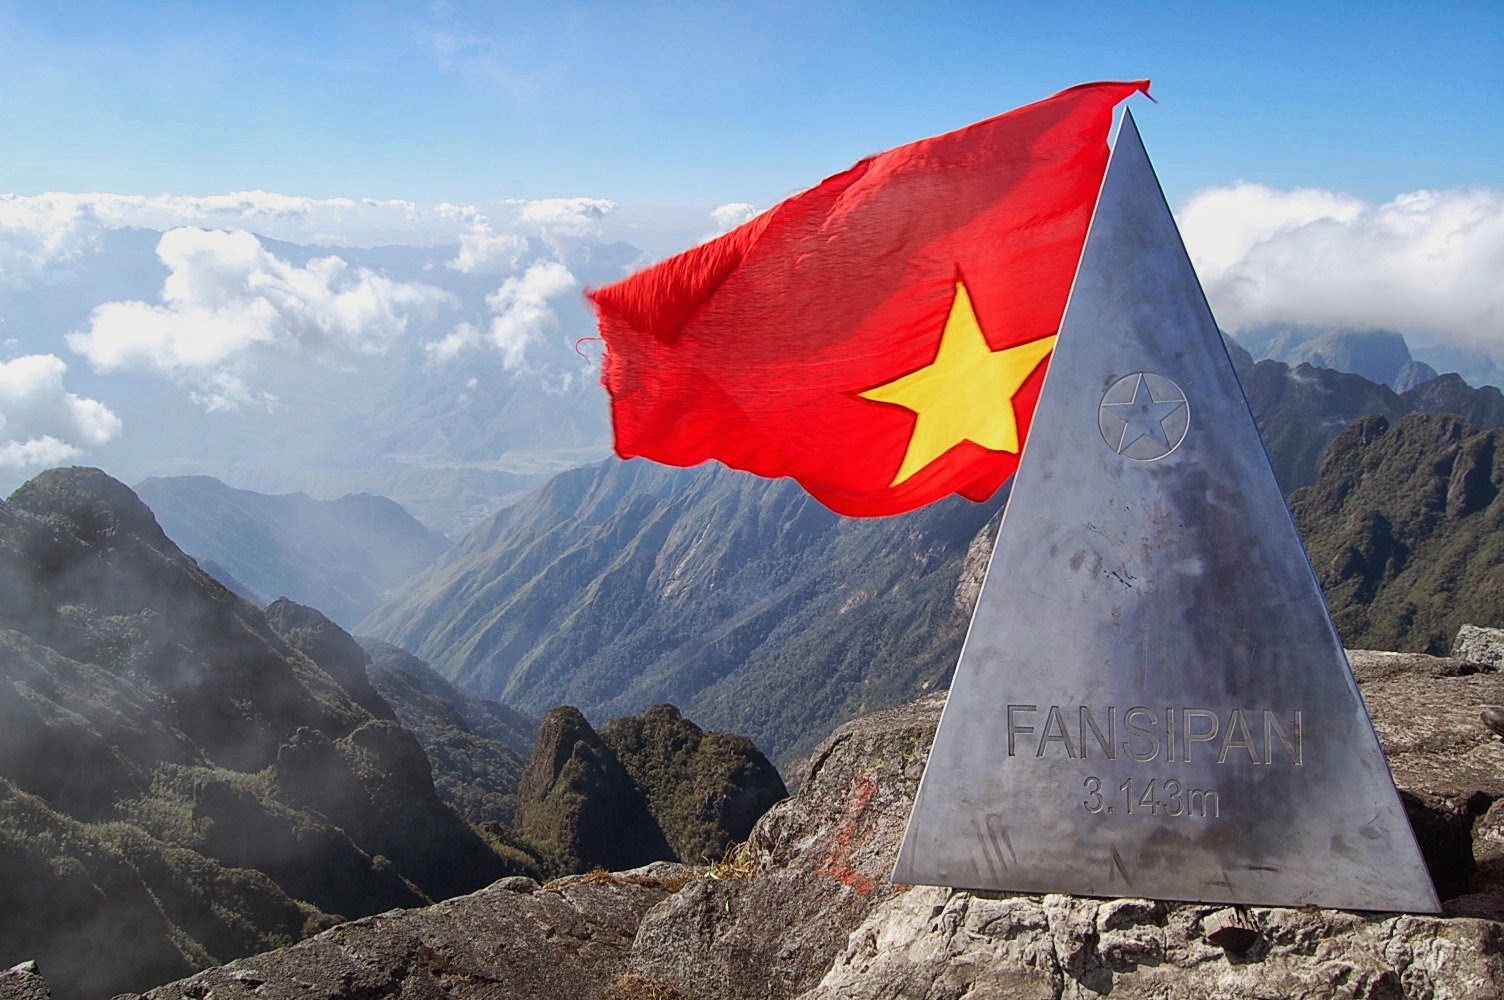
(965,394)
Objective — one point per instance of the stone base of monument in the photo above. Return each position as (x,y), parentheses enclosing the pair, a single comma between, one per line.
(821,919)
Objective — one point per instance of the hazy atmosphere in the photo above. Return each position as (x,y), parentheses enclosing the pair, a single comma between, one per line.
(343,248)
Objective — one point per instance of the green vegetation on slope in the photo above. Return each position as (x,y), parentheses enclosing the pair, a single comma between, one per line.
(704,789)
(1405,528)
(478,747)
(648,787)
(743,601)
(180,782)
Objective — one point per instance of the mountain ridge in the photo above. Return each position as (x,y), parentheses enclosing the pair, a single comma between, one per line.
(340,556)
(748,605)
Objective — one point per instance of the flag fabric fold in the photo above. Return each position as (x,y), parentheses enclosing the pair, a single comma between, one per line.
(882,337)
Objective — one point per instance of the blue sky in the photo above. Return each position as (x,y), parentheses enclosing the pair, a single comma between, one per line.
(711,103)
(1330,165)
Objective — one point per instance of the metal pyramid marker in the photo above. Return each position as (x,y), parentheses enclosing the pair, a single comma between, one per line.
(1152,699)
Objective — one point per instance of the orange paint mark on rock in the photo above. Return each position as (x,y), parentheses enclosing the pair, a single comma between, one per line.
(836,865)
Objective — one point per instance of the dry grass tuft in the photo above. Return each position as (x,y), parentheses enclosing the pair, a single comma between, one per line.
(735,863)
(631,986)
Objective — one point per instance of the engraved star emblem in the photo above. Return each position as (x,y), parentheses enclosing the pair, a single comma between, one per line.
(965,394)
(1143,416)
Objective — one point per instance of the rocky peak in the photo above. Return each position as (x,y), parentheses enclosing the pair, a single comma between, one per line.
(1412,374)
(704,789)
(649,787)
(576,794)
(1449,393)
(89,505)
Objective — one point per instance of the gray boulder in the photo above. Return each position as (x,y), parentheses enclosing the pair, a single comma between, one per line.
(23,982)
(1484,645)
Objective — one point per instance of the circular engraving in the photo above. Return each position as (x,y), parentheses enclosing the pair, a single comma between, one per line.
(1144,416)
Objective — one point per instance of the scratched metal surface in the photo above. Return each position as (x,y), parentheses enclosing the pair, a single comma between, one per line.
(1148,572)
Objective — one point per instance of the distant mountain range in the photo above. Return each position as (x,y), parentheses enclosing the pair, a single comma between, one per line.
(1382,356)
(755,609)
(340,556)
(738,599)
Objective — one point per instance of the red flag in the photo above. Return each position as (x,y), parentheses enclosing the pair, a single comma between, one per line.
(882,337)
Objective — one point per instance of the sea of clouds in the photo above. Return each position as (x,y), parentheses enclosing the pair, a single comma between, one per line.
(234,302)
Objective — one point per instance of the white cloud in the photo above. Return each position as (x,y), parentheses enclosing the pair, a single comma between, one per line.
(226,294)
(1425,262)
(41,422)
(36,231)
(36,453)
(523,311)
(459,340)
(578,218)
(487,251)
(731,215)
(223,392)
(39,228)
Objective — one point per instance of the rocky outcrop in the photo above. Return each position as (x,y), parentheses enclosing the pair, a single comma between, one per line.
(23,982)
(566,941)
(822,919)
(822,863)
(706,790)
(936,943)
(1448,766)
(810,909)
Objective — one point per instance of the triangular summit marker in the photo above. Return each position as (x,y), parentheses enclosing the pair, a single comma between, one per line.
(1152,699)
